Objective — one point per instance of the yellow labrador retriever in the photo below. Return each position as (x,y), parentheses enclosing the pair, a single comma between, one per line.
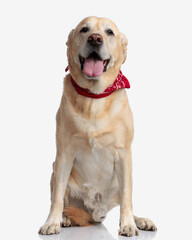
(92,172)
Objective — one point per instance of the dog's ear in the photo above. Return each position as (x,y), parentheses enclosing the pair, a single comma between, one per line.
(124,43)
(70,37)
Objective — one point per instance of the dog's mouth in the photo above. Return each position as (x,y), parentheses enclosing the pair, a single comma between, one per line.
(93,65)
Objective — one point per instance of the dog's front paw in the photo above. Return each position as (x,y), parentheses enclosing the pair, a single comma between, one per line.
(50,228)
(129,230)
(145,224)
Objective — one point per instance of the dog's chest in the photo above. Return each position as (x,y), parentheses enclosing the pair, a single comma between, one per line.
(94,160)
(96,142)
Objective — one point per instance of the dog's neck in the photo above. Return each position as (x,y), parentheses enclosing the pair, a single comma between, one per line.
(99,88)
(90,108)
(120,82)
(98,85)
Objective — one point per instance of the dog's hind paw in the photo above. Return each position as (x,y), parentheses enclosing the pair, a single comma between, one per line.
(66,222)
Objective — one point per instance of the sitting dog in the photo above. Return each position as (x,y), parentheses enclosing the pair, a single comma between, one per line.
(92,172)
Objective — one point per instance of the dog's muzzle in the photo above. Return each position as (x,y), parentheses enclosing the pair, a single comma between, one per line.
(92,60)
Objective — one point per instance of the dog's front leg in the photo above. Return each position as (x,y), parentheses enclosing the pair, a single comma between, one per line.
(123,169)
(62,170)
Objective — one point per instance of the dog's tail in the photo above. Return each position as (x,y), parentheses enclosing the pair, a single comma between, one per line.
(78,216)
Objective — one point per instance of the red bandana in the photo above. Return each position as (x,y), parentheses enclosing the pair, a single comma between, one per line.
(120,82)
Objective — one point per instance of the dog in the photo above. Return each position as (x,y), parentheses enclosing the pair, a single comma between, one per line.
(92,172)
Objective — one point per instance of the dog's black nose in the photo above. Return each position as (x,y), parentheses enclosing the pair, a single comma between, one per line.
(95,40)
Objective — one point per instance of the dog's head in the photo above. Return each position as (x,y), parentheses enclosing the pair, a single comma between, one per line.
(96,50)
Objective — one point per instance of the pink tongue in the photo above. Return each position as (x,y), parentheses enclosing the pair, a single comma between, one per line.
(93,68)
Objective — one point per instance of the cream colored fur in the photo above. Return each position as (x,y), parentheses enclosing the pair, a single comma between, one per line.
(93,166)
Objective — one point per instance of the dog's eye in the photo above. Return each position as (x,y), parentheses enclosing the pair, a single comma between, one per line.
(84,30)
(109,32)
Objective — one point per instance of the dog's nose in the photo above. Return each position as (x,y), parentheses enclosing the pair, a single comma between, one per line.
(95,40)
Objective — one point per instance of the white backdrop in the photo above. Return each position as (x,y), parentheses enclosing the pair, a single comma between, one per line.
(32,63)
